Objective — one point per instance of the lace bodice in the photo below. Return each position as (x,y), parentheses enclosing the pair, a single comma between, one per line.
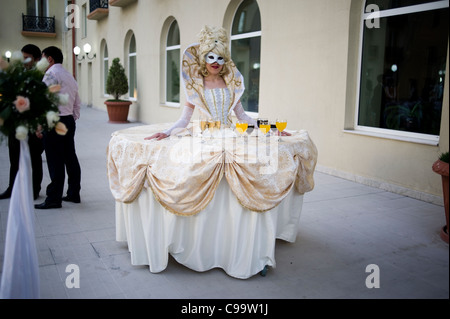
(219,103)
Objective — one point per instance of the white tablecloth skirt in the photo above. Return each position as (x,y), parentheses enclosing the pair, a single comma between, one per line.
(224,235)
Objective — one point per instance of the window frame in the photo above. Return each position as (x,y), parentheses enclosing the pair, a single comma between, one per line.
(247,35)
(414,137)
(171,48)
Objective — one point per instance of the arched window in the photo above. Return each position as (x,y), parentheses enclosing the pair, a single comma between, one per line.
(403,63)
(132,68)
(105,67)
(173,64)
(246,49)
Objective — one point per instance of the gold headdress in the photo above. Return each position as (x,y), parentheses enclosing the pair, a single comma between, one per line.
(193,64)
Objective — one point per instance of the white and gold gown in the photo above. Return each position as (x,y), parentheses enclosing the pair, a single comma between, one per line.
(217,103)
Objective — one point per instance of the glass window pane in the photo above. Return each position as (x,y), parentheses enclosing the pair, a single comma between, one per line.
(403,72)
(392,4)
(173,76)
(133,44)
(42,8)
(105,67)
(132,77)
(105,74)
(31,7)
(246,56)
(173,37)
(247,18)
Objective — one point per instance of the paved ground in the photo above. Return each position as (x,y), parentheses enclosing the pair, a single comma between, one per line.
(344,228)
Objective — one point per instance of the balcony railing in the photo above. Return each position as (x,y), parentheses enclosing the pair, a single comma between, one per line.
(98,9)
(98,4)
(38,24)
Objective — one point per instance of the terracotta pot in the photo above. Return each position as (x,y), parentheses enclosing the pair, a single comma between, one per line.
(118,111)
(441,168)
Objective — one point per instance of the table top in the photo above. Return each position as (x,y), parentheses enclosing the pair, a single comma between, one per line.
(185,169)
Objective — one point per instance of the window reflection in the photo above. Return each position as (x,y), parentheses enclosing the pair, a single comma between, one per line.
(403,71)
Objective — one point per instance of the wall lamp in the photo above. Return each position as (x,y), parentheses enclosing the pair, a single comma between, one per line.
(87,49)
(8,55)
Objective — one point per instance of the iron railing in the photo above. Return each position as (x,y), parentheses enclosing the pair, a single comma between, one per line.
(98,4)
(38,24)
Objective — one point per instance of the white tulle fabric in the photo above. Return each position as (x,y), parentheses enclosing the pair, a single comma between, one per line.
(242,116)
(182,122)
(20,273)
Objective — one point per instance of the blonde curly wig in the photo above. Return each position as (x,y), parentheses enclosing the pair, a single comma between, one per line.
(214,39)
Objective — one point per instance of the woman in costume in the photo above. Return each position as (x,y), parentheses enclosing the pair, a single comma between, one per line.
(211,81)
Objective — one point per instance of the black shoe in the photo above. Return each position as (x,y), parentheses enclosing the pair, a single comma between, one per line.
(72,199)
(5,194)
(46,205)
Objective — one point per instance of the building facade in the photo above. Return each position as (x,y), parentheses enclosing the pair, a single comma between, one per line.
(366,78)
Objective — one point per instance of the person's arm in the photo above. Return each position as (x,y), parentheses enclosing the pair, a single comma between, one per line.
(76,106)
(242,116)
(182,122)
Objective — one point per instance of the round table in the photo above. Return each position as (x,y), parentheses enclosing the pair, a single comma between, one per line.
(210,200)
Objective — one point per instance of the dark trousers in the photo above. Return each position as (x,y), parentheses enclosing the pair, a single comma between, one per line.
(36,148)
(62,157)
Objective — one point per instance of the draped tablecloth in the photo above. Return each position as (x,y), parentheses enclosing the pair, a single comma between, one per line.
(212,201)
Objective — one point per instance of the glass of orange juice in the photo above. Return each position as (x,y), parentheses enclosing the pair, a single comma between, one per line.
(264,126)
(281,126)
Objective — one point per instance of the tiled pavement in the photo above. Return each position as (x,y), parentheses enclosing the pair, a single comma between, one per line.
(344,227)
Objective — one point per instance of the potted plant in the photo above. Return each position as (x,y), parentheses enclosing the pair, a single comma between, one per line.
(441,167)
(117,85)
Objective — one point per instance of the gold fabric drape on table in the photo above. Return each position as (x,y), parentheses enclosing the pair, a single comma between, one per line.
(184,172)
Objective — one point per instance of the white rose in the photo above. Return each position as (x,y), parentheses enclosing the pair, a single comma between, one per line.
(42,65)
(63,98)
(52,118)
(21,132)
(17,56)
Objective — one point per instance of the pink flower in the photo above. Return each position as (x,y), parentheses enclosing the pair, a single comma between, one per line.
(22,104)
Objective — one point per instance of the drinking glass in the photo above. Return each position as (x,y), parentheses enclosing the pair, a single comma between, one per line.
(241,127)
(217,124)
(203,124)
(264,126)
(211,125)
(281,126)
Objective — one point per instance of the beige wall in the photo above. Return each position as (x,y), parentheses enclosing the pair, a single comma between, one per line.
(11,38)
(309,74)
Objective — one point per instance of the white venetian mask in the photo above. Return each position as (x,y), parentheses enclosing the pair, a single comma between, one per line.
(211,57)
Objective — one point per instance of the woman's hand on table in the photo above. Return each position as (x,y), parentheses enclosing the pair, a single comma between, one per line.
(158,136)
(285,134)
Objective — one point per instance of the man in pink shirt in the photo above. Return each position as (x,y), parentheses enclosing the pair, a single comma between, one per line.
(60,149)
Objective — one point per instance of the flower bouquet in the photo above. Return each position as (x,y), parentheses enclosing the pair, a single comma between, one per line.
(26,103)
(27,106)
